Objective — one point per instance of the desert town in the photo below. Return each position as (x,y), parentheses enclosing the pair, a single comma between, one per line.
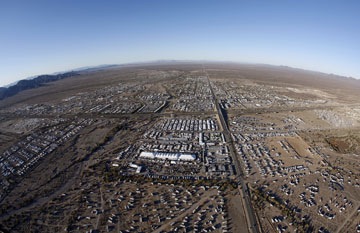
(187,149)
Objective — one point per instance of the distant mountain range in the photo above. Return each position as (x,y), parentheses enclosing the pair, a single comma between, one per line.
(38,81)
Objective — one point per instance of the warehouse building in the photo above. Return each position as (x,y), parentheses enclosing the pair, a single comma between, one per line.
(173,156)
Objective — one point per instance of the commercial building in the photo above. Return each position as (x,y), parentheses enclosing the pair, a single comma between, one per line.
(173,156)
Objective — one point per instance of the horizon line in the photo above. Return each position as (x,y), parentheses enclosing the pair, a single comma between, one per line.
(84,68)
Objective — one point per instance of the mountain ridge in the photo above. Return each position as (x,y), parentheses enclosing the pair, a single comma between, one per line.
(38,81)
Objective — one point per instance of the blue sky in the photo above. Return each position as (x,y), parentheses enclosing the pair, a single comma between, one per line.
(47,36)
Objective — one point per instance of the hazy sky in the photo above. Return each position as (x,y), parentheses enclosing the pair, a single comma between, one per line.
(47,36)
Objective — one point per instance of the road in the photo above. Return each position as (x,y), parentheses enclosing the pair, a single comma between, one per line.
(244,192)
(145,115)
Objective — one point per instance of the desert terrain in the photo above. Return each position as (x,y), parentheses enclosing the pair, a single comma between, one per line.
(182,147)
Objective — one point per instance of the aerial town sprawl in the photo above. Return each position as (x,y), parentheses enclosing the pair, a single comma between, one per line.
(182,147)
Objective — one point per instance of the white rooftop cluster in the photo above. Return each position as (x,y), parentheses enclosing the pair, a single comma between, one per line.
(174,156)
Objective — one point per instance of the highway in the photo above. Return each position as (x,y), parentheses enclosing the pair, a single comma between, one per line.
(243,189)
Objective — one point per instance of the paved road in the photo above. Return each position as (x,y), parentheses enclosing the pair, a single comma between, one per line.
(249,211)
(146,115)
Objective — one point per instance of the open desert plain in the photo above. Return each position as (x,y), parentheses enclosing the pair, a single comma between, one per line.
(182,147)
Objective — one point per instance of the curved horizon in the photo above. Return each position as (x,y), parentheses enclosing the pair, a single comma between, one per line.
(46,37)
(167,61)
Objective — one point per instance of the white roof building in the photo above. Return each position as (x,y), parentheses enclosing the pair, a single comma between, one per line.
(175,156)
